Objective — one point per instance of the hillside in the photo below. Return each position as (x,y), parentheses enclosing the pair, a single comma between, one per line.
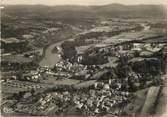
(73,11)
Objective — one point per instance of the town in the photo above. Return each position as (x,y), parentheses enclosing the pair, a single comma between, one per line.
(86,67)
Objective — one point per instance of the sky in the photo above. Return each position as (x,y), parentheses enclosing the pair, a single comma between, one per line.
(83,2)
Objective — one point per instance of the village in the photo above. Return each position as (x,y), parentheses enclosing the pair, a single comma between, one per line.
(92,66)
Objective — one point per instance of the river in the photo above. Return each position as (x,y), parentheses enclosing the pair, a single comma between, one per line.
(146,27)
(49,58)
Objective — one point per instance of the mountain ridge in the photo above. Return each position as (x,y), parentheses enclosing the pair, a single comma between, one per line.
(110,10)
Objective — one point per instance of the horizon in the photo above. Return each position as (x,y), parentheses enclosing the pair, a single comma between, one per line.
(83,3)
(80,5)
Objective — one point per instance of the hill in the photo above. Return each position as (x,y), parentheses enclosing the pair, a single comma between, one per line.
(74,11)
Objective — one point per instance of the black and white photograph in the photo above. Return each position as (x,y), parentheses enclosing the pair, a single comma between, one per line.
(83,58)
